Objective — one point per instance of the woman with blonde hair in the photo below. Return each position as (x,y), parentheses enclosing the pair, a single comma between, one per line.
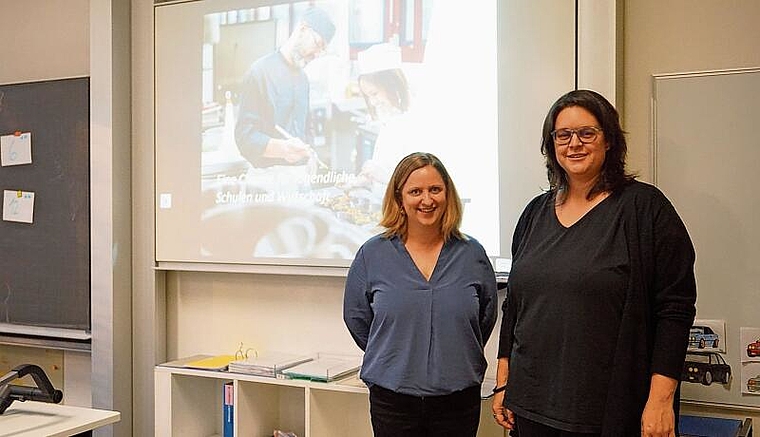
(420,301)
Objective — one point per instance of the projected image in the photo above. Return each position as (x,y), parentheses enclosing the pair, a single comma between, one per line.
(308,106)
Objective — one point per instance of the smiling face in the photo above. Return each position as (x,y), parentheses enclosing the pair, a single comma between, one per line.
(379,99)
(581,161)
(423,199)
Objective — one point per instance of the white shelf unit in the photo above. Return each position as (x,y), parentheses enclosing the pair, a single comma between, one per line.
(189,404)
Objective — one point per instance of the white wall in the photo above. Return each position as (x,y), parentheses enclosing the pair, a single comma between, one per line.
(679,36)
(44,39)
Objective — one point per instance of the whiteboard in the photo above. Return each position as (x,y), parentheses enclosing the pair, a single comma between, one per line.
(706,132)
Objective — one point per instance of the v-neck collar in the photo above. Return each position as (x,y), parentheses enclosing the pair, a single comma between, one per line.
(401,247)
(581,218)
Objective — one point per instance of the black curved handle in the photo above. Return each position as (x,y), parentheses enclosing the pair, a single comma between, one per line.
(44,392)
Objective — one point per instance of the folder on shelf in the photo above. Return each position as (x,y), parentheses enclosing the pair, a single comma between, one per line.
(267,363)
(228,394)
(324,368)
(212,362)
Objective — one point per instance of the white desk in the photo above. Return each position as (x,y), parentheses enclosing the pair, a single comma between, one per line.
(28,419)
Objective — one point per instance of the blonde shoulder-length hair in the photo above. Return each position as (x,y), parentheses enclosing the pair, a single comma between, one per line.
(395,221)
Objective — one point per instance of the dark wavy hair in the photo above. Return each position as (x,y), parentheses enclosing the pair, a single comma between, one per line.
(395,221)
(614,174)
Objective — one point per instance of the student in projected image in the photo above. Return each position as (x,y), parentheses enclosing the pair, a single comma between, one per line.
(601,292)
(420,301)
(385,89)
(274,102)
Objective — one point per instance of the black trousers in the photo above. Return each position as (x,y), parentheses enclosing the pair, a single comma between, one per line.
(528,428)
(399,415)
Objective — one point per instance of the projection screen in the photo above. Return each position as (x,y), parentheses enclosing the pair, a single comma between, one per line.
(384,83)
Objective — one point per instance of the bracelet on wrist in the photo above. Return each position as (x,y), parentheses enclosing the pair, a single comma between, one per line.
(498,389)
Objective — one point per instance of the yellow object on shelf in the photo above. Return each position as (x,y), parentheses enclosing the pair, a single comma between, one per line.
(216,362)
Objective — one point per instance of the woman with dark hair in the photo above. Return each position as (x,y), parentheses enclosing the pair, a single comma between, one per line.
(595,346)
(385,89)
(386,92)
(420,301)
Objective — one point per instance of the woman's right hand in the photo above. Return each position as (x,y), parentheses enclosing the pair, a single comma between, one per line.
(502,415)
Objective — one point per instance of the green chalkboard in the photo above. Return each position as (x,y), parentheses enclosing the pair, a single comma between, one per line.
(45,265)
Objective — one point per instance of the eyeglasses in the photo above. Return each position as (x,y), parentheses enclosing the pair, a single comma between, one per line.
(318,41)
(586,134)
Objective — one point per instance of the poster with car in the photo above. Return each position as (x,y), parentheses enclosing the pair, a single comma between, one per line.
(705,363)
(749,344)
(749,350)
(705,367)
(708,335)
(751,378)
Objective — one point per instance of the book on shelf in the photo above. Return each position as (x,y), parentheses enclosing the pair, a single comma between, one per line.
(267,363)
(324,368)
(228,412)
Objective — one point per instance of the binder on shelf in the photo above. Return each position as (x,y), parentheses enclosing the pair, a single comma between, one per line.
(201,361)
(267,363)
(210,362)
(324,368)
(228,396)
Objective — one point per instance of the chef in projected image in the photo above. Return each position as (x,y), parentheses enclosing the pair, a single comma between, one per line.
(274,104)
(386,91)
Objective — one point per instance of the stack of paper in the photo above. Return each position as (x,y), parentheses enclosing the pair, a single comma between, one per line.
(268,363)
(324,368)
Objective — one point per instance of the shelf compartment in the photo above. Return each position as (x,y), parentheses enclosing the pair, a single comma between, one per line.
(262,407)
(196,406)
(334,413)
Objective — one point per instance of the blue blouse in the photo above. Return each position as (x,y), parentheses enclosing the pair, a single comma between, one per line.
(420,337)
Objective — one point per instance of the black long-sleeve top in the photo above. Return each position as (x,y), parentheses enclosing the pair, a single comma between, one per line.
(275,93)
(592,310)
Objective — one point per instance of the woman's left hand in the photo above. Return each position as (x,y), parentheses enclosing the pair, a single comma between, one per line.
(658,419)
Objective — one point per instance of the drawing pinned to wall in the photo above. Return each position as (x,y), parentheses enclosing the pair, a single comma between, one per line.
(750,344)
(749,347)
(705,362)
(705,368)
(708,335)
(18,206)
(751,378)
(16,149)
